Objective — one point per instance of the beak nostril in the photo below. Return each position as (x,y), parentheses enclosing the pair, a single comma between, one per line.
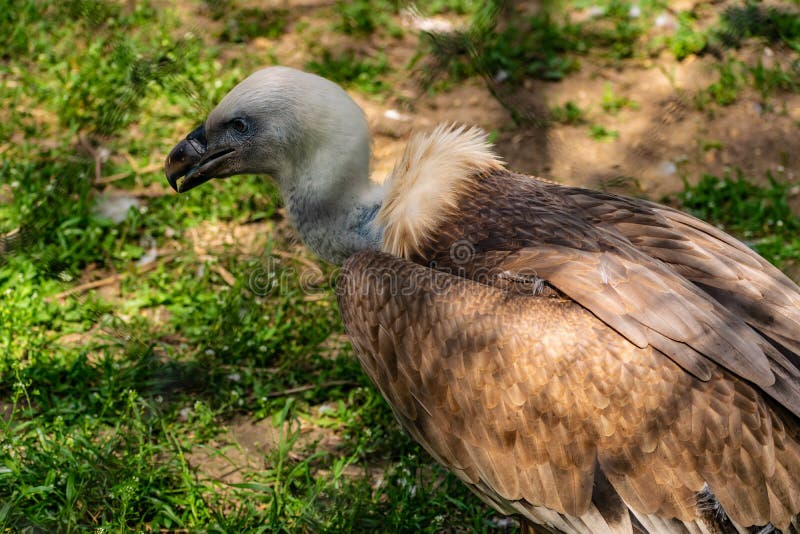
(198,147)
(198,135)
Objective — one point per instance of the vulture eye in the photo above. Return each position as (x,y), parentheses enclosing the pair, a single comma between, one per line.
(239,125)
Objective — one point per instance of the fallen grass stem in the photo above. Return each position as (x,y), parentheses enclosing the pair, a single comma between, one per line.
(309,387)
(114,278)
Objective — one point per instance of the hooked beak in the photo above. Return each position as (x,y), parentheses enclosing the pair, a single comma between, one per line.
(191,160)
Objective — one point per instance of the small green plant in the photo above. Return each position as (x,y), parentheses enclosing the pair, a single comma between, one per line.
(20,21)
(618,28)
(460,7)
(734,75)
(768,80)
(363,17)
(569,113)
(687,40)
(351,70)
(754,20)
(600,133)
(707,145)
(538,49)
(247,24)
(726,90)
(613,103)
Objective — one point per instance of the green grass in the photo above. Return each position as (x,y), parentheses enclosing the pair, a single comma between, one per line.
(601,133)
(237,23)
(750,24)
(569,113)
(726,90)
(733,28)
(613,103)
(769,80)
(249,23)
(734,76)
(361,18)
(349,70)
(760,214)
(770,23)
(108,395)
(687,39)
(538,46)
(550,44)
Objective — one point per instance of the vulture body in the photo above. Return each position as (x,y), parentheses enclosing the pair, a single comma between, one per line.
(589,362)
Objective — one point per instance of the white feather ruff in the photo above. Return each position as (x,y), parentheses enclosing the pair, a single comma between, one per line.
(434,170)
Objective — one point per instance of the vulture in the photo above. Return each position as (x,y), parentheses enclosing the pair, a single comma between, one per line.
(585,361)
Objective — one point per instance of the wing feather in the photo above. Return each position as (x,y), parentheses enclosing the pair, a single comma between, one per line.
(647,303)
(750,286)
(657,276)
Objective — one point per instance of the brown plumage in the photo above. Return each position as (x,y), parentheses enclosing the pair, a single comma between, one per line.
(590,362)
(653,372)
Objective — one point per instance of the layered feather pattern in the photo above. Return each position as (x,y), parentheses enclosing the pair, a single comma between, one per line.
(650,380)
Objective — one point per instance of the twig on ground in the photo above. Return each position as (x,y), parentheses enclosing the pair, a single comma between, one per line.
(148,169)
(225,274)
(113,178)
(287,255)
(98,160)
(164,257)
(309,387)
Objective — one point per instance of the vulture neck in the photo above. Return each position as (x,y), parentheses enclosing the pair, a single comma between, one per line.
(339,211)
(333,202)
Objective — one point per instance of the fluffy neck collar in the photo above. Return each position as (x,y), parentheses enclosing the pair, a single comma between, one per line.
(435,170)
(339,211)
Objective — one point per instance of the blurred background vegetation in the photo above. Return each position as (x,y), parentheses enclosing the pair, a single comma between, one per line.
(177,362)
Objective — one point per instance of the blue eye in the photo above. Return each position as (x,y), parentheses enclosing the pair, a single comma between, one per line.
(239,125)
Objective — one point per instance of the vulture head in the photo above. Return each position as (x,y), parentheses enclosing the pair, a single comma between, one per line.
(280,122)
(310,136)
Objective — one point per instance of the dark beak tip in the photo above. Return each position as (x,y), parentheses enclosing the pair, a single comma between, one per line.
(186,154)
(179,162)
(172,175)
